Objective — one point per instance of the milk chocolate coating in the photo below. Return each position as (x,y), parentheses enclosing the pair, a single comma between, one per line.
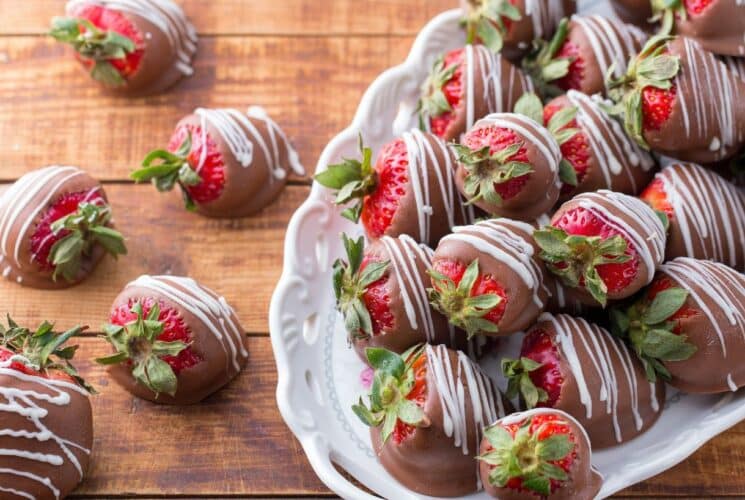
(605,386)
(703,127)
(505,251)
(603,43)
(432,461)
(708,220)
(637,12)
(22,207)
(584,481)
(70,424)
(638,224)
(496,85)
(719,28)
(615,161)
(539,19)
(432,205)
(716,293)
(167,54)
(540,193)
(254,181)
(216,337)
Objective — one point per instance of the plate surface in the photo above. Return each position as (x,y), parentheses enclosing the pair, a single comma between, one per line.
(320,377)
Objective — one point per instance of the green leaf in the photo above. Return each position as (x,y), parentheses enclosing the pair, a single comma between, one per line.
(106,73)
(373,272)
(385,361)
(567,174)
(555,447)
(365,415)
(113,359)
(540,485)
(530,105)
(389,423)
(667,346)
(174,348)
(498,436)
(409,412)
(665,304)
(552,241)
(161,376)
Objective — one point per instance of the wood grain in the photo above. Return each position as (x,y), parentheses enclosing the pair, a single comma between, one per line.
(240,259)
(251,17)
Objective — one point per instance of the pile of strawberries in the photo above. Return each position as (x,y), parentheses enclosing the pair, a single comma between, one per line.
(548,214)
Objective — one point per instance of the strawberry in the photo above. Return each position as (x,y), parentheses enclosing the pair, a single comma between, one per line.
(486,278)
(656,197)
(510,26)
(464,85)
(607,244)
(580,55)
(106,42)
(660,93)
(192,161)
(409,190)
(40,353)
(153,339)
(575,149)
(542,453)
(508,165)
(572,365)
(68,231)
(677,330)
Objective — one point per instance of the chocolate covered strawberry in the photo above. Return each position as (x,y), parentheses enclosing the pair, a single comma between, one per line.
(599,153)
(538,453)
(706,214)
(571,365)
(46,422)
(508,165)
(689,326)
(409,190)
(487,278)
(510,26)
(605,244)
(467,84)
(174,340)
(55,227)
(426,411)
(381,292)
(664,107)
(581,54)
(136,47)
(227,163)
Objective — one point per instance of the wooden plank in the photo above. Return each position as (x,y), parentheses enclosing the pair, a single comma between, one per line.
(291,17)
(235,443)
(240,259)
(52,114)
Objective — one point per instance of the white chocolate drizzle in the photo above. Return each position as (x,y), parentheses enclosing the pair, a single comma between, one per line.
(242,136)
(165,15)
(212,310)
(545,15)
(29,404)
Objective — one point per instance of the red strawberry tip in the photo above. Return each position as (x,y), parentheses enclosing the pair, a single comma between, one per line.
(649,326)
(459,305)
(393,380)
(137,343)
(544,64)
(574,258)
(352,179)
(166,169)
(95,45)
(351,280)
(530,456)
(517,372)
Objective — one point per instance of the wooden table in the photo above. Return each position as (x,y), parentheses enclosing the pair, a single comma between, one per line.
(307,62)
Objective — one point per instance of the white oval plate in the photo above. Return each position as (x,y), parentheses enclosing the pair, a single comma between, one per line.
(319,376)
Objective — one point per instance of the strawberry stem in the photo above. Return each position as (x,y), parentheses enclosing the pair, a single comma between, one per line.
(542,64)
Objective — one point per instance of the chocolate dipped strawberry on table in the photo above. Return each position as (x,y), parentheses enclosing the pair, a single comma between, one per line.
(689,326)
(55,227)
(426,411)
(46,421)
(174,340)
(487,278)
(226,163)
(603,244)
(665,107)
(467,84)
(510,26)
(137,47)
(381,291)
(581,54)
(409,190)
(575,366)
(600,153)
(706,214)
(542,453)
(509,166)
